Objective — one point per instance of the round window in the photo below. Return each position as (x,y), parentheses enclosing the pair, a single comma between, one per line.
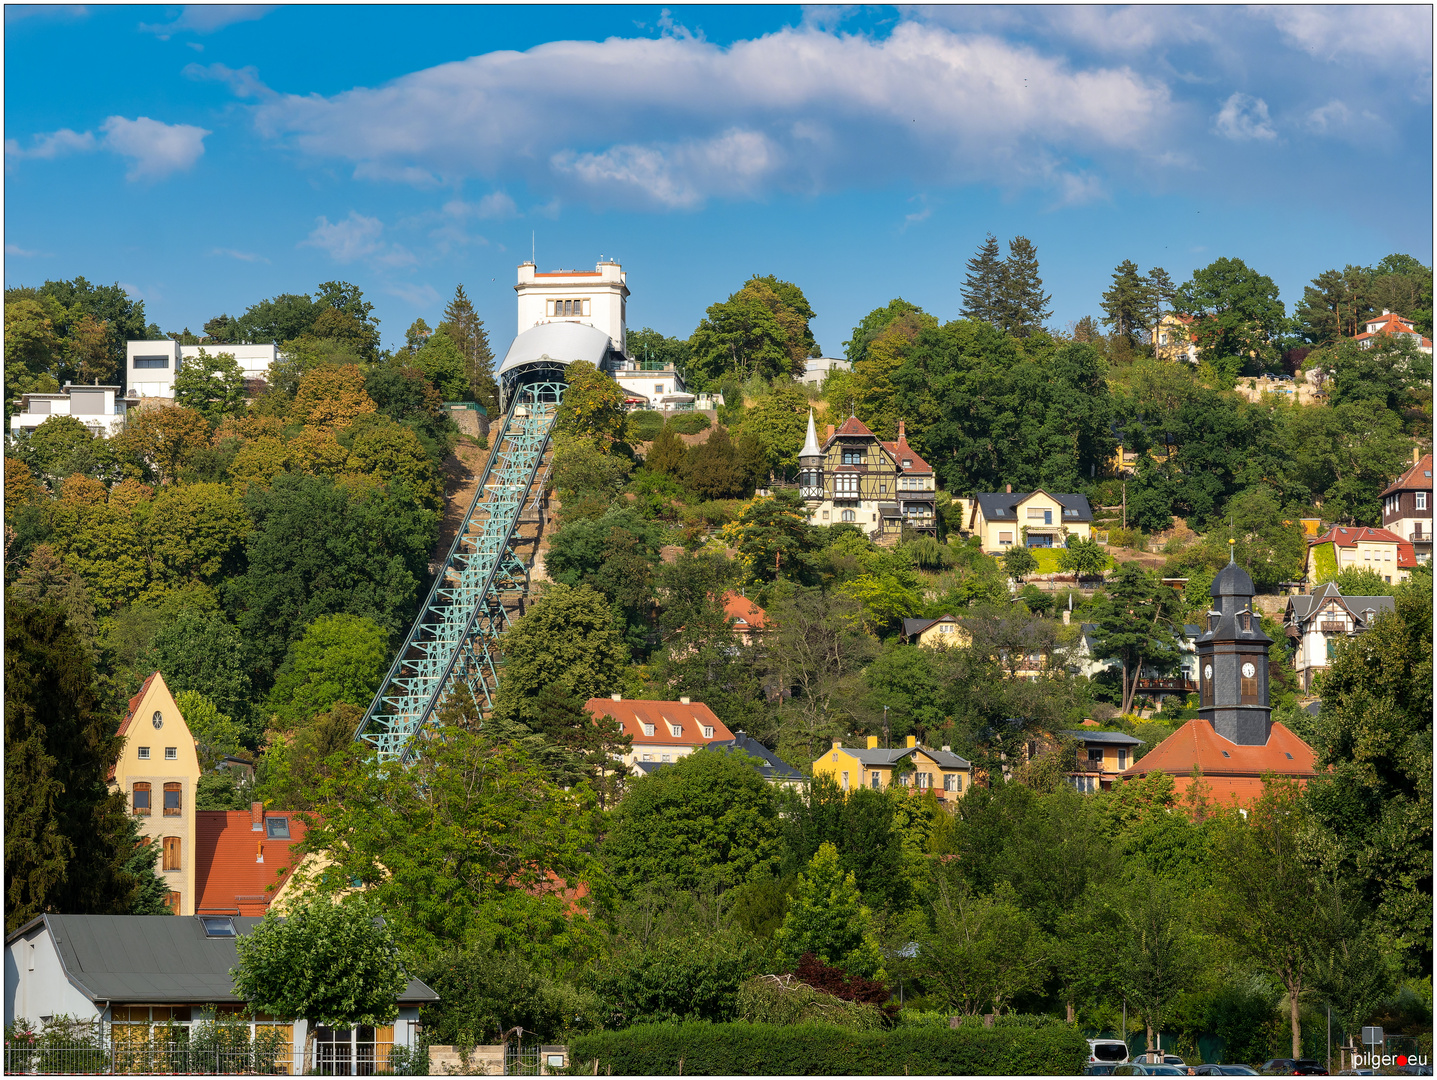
(157,720)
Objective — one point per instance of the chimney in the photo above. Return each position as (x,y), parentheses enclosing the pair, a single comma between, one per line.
(901,436)
(947,749)
(911,741)
(683,701)
(828,432)
(1067,617)
(259,851)
(873,742)
(1010,489)
(617,697)
(838,744)
(256,817)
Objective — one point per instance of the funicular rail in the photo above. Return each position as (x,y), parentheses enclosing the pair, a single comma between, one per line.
(453,636)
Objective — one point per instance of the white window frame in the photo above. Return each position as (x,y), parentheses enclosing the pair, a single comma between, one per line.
(1422,500)
(649,730)
(144,753)
(708,731)
(172,753)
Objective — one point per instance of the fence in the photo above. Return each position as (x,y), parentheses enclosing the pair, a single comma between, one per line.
(263,1056)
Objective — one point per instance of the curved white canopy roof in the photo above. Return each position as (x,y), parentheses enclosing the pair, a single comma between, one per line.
(560,342)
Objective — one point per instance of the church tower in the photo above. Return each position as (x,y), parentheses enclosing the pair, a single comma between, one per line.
(810,465)
(1232,662)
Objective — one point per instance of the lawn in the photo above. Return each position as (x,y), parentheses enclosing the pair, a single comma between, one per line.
(1048,560)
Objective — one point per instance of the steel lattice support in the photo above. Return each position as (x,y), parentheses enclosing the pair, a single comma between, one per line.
(451,639)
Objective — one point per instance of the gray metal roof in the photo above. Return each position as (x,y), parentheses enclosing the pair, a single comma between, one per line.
(156,958)
(911,627)
(773,768)
(880,756)
(1303,607)
(1112,738)
(1003,506)
(563,342)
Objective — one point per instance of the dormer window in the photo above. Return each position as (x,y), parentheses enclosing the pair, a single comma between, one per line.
(649,730)
(1245,621)
(677,729)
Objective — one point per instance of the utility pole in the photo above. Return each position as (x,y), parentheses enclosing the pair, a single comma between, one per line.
(1125,505)
(885,727)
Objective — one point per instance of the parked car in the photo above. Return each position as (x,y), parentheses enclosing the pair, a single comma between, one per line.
(1294,1067)
(1138,1069)
(1107,1051)
(1099,1068)
(1226,1070)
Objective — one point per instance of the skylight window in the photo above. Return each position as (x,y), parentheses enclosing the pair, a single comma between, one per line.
(218,925)
(277,828)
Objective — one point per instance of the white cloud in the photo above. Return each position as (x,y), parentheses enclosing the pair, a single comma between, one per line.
(17,12)
(344,241)
(243,82)
(155,149)
(1243,117)
(1397,35)
(242,256)
(207,18)
(798,110)
(16,249)
(416,295)
(52,145)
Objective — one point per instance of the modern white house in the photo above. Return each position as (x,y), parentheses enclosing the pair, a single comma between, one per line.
(817,368)
(128,975)
(98,407)
(150,366)
(652,384)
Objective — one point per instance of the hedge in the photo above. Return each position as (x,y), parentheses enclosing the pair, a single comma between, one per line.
(689,423)
(697,1049)
(644,425)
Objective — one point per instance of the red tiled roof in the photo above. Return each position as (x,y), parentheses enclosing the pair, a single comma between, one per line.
(1391,323)
(1349,537)
(227,877)
(853,426)
(744,610)
(691,718)
(135,704)
(1412,479)
(901,451)
(569,273)
(1196,743)
(1406,557)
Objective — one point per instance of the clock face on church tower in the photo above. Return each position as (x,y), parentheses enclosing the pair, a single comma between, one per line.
(1248,671)
(1207,672)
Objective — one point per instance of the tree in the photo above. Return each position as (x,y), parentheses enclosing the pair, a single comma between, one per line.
(160,441)
(598,744)
(67,839)
(1373,799)
(32,350)
(593,406)
(1361,581)
(1161,294)
(462,323)
(90,358)
(63,446)
(666,453)
(1019,562)
(980,951)
(408,832)
(1238,318)
(338,658)
(335,965)
(394,455)
(331,396)
(827,919)
(48,580)
(445,366)
(778,421)
(1022,303)
(1134,616)
(704,824)
(1345,455)
(1126,304)
(202,652)
(1084,557)
(152,892)
(287,316)
(1158,954)
(772,535)
(761,330)
(195,534)
(711,469)
(879,320)
(1350,964)
(568,638)
(216,735)
(1334,305)
(983,286)
(211,385)
(1267,903)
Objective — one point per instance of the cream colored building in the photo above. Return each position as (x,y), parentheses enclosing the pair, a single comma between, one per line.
(662,731)
(1363,548)
(943,632)
(942,772)
(1034,518)
(158,770)
(596,298)
(1174,338)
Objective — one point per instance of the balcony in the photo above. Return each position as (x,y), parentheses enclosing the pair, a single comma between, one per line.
(1176,685)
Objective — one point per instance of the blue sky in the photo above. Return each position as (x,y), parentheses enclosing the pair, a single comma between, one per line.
(207,157)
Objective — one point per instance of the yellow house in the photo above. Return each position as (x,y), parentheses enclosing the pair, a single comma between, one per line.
(1174,338)
(1035,518)
(943,632)
(1101,756)
(158,770)
(942,772)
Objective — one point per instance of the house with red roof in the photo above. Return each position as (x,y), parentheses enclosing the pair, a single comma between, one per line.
(1234,741)
(1391,324)
(748,618)
(854,477)
(1407,507)
(243,858)
(1359,548)
(662,731)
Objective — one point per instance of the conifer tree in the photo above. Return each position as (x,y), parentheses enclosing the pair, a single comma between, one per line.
(827,919)
(984,283)
(1126,304)
(1022,303)
(1161,292)
(462,323)
(666,454)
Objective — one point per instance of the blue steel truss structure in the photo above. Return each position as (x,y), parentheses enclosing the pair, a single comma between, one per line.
(452,641)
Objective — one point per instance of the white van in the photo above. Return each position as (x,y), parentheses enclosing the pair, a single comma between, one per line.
(1107,1052)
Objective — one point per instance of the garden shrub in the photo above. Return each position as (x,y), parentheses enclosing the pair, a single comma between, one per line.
(643,425)
(785,1000)
(697,1049)
(689,423)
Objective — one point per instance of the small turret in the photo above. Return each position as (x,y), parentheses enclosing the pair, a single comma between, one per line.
(1232,662)
(810,465)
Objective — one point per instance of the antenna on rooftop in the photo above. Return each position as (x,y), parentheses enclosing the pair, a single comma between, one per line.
(533,248)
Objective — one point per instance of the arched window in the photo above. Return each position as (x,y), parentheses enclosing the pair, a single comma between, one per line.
(140,800)
(848,515)
(172,800)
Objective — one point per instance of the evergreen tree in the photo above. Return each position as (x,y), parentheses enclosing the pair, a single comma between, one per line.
(984,283)
(827,920)
(711,469)
(66,835)
(666,454)
(152,892)
(463,324)
(1022,303)
(563,720)
(1126,303)
(1161,292)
